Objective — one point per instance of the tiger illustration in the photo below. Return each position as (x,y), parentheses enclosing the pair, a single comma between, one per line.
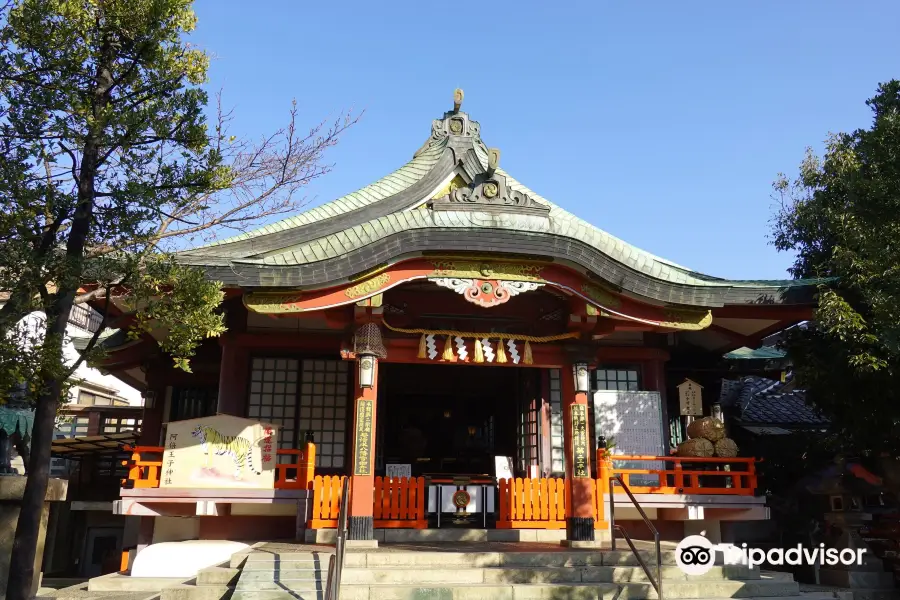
(240,449)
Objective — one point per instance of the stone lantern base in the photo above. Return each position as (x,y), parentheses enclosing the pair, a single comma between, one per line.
(12,488)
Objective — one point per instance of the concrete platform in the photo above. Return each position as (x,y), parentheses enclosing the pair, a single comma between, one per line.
(382,536)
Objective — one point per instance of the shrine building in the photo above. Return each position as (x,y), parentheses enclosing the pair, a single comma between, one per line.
(458,347)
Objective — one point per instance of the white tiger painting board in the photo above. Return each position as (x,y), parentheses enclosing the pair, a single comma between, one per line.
(219,452)
(634,419)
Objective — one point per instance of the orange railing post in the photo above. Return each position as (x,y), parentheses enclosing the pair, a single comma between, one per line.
(604,472)
(142,471)
(303,465)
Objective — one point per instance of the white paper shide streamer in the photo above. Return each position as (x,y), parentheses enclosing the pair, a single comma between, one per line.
(513,351)
(461,351)
(488,350)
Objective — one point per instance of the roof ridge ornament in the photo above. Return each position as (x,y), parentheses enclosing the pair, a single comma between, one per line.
(489,192)
(454,124)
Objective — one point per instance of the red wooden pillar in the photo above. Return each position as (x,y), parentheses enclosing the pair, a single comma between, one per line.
(579,485)
(233,377)
(362,462)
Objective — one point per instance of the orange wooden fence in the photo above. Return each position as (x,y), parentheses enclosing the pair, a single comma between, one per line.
(296,475)
(400,503)
(145,466)
(682,475)
(532,504)
(326,501)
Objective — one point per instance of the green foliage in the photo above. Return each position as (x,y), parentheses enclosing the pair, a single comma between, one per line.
(180,300)
(841,216)
(103,135)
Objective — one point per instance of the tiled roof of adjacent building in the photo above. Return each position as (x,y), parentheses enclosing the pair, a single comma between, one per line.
(760,401)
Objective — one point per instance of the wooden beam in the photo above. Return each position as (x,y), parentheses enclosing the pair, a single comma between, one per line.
(779,312)
(751,342)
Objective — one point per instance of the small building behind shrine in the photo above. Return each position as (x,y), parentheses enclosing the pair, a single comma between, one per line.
(457,346)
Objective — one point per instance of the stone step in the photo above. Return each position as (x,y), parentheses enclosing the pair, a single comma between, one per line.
(583,591)
(591,574)
(217,576)
(283,584)
(293,573)
(265,560)
(195,592)
(278,595)
(602,591)
(856,579)
(293,565)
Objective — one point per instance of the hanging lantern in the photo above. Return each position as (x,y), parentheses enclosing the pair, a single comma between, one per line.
(582,378)
(369,348)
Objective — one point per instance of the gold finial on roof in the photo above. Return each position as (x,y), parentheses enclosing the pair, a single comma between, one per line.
(457,99)
(493,161)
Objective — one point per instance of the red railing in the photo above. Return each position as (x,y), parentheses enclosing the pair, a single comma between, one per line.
(326,501)
(145,466)
(400,503)
(532,503)
(681,475)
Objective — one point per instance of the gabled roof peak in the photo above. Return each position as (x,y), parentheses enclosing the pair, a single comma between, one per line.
(455,127)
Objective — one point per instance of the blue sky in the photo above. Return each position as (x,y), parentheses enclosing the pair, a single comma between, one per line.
(663,123)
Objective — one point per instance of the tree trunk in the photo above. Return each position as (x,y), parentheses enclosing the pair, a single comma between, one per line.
(21,566)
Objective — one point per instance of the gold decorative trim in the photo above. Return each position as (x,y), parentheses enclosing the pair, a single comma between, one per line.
(600,296)
(375,301)
(501,271)
(455,183)
(267,303)
(687,320)
(367,287)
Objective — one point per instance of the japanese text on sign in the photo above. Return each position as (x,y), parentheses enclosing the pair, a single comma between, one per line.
(362,464)
(267,444)
(170,458)
(579,441)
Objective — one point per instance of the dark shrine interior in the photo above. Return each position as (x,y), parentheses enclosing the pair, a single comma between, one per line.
(449,419)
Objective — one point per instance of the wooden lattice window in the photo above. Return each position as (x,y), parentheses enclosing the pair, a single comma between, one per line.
(324,393)
(193,403)
(273,396)
(120,424)
(557,444)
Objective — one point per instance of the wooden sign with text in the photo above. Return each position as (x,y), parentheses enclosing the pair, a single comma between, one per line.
(690,399)
(362,460)
(580,441)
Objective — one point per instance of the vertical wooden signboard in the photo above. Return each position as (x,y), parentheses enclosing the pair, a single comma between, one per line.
(580,441)
(362,461)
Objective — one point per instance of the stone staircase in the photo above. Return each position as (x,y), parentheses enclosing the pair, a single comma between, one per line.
(398,574)
(212,583)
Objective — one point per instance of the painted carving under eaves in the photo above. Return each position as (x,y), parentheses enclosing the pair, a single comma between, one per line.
(486,292)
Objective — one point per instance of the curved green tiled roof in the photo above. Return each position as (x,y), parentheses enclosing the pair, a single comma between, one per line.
(387,186)
(345,236)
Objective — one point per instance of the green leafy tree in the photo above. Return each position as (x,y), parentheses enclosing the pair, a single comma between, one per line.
(107,162)
(841,216)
